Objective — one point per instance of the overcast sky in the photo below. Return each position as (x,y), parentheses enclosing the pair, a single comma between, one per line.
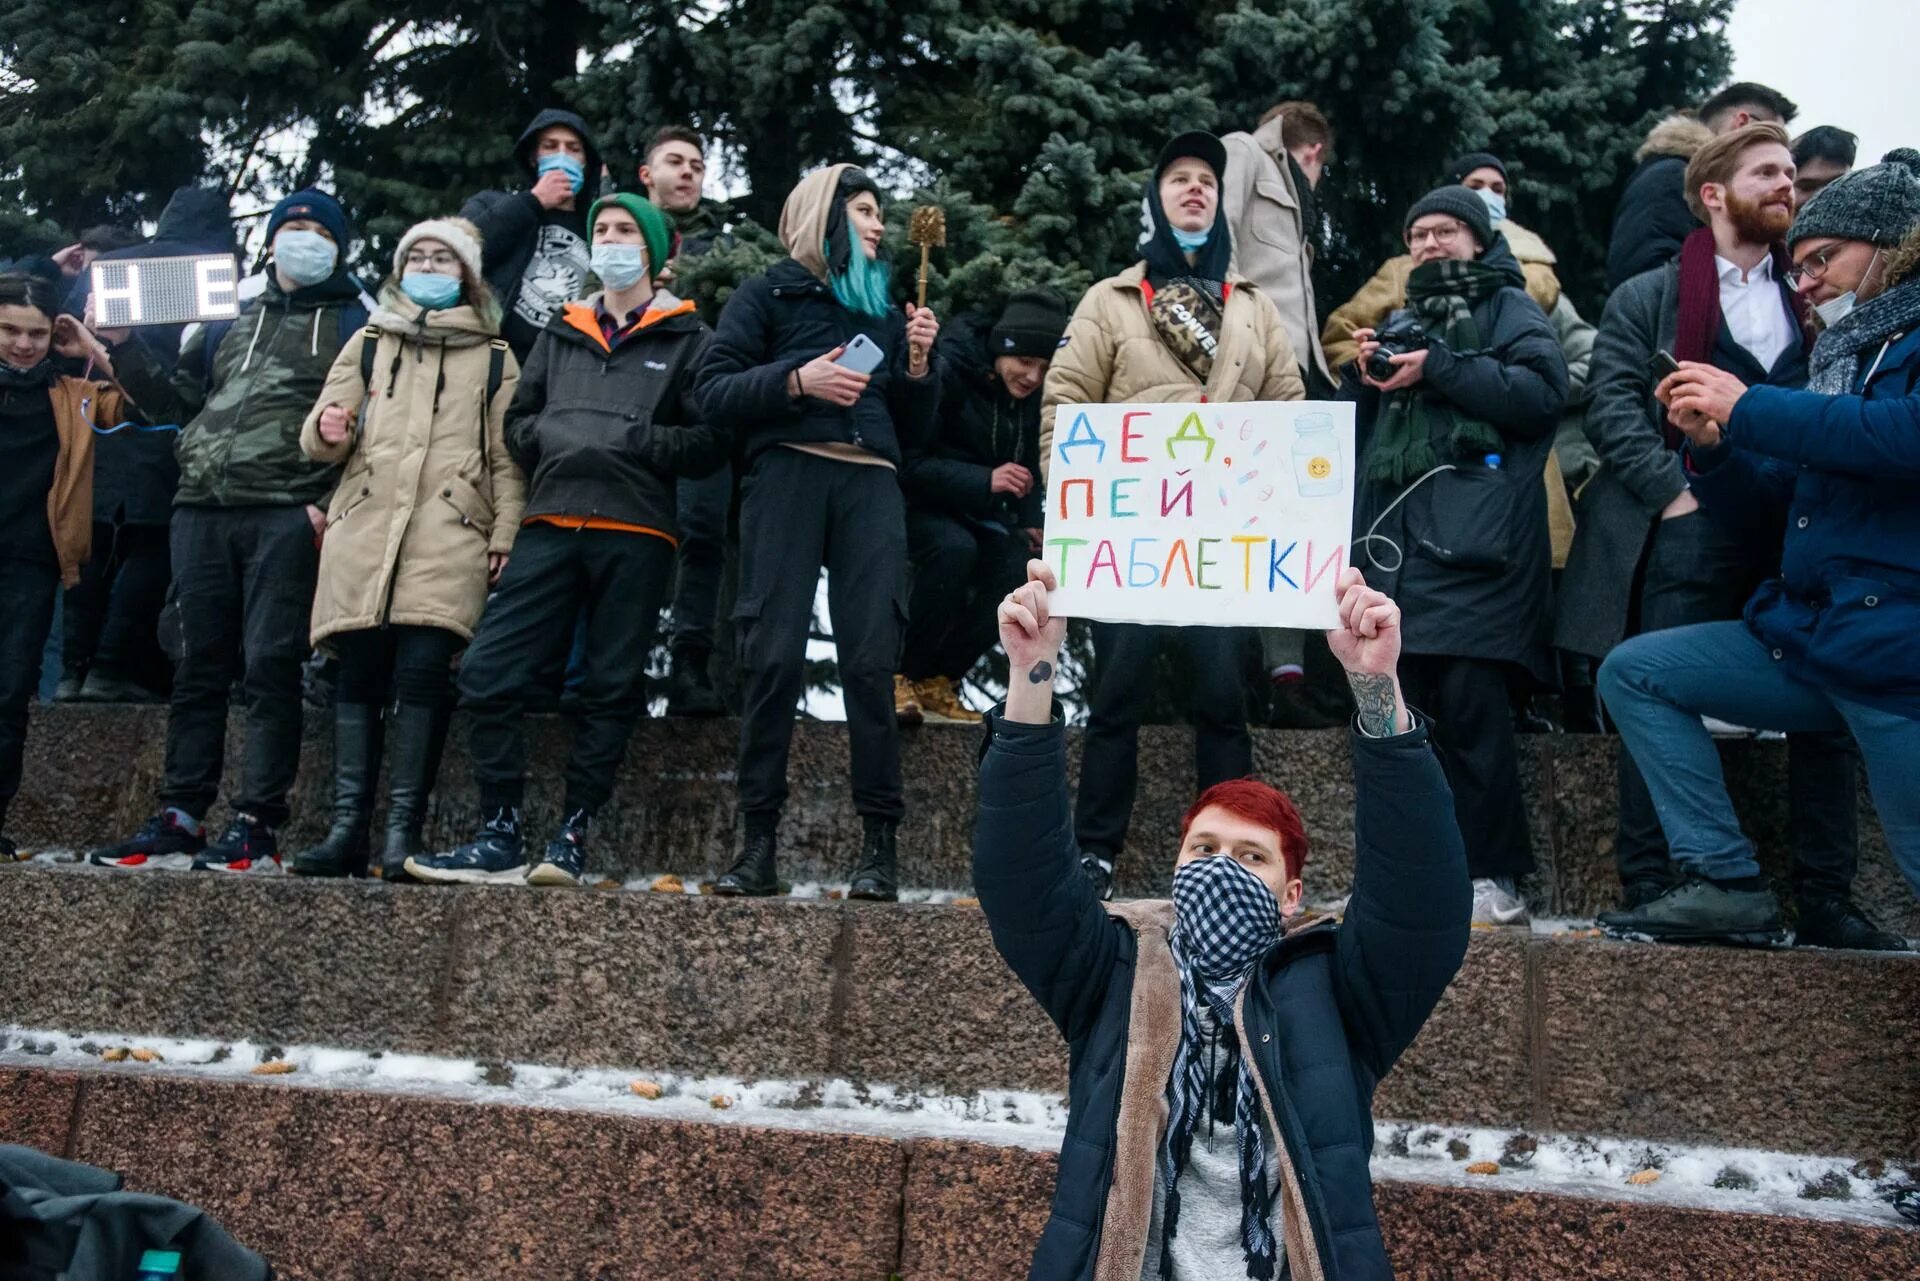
(1845,62)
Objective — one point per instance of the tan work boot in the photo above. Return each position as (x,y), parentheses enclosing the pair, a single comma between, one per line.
(906,707)
(942,704)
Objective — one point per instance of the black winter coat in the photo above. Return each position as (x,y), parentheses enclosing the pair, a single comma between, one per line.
(1472,572)
(605,434)
(981,427)
(1651,219)
(1326,1014)
(777,322)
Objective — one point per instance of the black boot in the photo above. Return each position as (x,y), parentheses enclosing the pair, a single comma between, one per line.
(416,734)
(1837,921)
(753,875)
(876,880)
(356,772)
(691,693)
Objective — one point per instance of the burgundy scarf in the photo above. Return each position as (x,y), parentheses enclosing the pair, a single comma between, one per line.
(1697,327)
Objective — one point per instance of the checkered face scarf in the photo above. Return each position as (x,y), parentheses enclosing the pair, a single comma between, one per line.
(1225,920)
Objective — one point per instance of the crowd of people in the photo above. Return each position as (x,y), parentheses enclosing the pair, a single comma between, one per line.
(486,480)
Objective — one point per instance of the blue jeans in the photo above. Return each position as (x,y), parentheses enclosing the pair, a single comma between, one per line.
(1657,687)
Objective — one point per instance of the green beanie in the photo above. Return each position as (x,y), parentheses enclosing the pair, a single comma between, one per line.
(653,227)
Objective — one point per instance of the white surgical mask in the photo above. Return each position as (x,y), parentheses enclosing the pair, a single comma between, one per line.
(1834,310)
(1495,202)
(304,257)
(619,266)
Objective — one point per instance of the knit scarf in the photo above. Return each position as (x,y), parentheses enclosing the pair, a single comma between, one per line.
(1836,368)
(1442,294)
(40,375)
(1226,919)
(1696,329)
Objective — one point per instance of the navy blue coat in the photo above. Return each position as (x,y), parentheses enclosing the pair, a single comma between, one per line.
(1327,1013)
(777,322)
(1845,610)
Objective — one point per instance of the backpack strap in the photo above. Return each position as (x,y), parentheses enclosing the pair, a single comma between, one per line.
(369,343)
(496,375)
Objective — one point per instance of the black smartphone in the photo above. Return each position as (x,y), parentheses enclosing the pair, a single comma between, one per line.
(1664,366)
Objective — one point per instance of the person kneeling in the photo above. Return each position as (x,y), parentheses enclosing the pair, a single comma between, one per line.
(1218,1010)
(602,424)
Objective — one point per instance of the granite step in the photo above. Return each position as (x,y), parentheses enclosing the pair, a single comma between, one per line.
(91,774)
(1802,1051)
(345,1184)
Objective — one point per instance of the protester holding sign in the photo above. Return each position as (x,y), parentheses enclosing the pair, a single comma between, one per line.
(1177,326)
(1224,1053)
(828,385)
(1459,396)
(421,523)
(246,534)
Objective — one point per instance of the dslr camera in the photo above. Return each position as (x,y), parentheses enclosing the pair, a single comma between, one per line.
(1400,334)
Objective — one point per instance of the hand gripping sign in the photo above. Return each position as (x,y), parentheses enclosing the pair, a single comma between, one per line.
(165,291)
(1230,515)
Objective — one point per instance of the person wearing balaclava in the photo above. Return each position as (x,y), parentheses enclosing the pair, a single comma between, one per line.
(245,537)
(827,383)
(1191,330)
(603,423)
(1224,1053)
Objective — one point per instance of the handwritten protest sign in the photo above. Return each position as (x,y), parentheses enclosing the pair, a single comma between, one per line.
(1229,515)
(165,291)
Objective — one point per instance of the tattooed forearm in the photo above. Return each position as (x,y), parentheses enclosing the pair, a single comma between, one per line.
(1379,711)
(1042,673)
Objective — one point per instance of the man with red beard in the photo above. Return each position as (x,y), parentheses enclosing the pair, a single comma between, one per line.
(1646,558)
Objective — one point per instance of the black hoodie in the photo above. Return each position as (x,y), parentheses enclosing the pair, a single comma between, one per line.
(981,427)
(511,224)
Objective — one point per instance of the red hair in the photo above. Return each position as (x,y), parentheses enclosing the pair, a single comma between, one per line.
(1254,801)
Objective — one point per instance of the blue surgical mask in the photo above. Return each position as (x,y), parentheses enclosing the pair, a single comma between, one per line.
(1189,240)
(1495,202)
(561,162)
(619,266)
(305,257)
(431,289)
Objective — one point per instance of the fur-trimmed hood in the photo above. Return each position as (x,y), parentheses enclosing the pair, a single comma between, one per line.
(1677,135)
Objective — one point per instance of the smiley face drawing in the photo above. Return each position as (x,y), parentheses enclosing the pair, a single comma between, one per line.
(1319,468)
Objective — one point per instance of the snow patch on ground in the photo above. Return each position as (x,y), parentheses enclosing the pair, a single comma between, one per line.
(1727,1179)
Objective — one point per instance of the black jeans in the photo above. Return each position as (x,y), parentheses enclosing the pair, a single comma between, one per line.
(799,513)
(1697,572)
(27,591)
(617,582)
(396,664)
(1467,700)
(112,618)
(702,509)
(961,570)
(243,578)
(1124,655)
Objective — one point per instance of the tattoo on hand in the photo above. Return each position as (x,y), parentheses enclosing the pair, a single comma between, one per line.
(1378,710)
(1042,673)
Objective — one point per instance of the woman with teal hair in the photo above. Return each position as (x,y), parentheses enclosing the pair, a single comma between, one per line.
(825,382)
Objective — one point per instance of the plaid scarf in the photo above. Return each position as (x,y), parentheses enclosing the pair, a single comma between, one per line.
(1443,294)
(1226,919)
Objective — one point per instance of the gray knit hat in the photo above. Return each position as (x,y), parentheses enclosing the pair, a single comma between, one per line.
(1456,202)
(1879,204)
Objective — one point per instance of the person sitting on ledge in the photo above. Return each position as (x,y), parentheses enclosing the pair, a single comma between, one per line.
(1224,1053)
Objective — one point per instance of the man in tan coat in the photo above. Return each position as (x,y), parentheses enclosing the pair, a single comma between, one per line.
(1178,326)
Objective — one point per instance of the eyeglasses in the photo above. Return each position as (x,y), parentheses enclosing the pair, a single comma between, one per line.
(1441,236)
(440,261)
(1813,266)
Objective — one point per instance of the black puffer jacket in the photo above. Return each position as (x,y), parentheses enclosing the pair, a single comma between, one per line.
(509,221)
(1472,569)
(981,427)
(1652,217)
(603,434)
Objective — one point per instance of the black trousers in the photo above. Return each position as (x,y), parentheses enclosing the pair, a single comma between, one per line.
(702,509)
(800,513)
(112,619)
(1123,655)
(618,582)
(243,578)
(1467,700)
(27,592)
(961,570)
(397,664)
(1697,572)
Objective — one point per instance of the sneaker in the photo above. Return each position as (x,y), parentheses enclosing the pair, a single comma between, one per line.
(1837,921)
(1099,874)
(1701,911)
(1637,894)
(565,862)
(906,705)
(248,845)
(691,693)
(167,835)
(68,690)
(941,703)
(1495,903)
(111,689)
(497,855)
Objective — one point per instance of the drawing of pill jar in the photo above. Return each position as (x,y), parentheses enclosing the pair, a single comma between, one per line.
(1316,456)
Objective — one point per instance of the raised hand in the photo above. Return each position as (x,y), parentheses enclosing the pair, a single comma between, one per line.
(1367,643)
(1032,636)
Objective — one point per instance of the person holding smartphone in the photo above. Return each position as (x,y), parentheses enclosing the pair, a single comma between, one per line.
(827,384)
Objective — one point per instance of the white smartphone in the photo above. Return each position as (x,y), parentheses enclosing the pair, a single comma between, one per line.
(863,355)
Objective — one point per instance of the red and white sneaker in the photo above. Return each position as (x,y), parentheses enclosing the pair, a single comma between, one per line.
(248,845)
(163,840)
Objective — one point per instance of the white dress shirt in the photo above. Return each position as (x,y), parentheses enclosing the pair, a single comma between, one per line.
(1754,312)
